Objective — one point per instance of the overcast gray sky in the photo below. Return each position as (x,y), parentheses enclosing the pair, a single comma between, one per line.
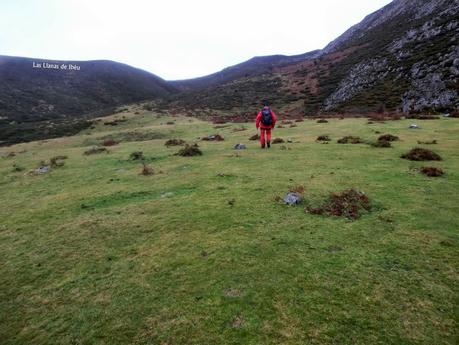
(175,39)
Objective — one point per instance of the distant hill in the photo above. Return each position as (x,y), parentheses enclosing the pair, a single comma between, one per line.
(31,94)
(402,58)
(255,66)
(35,91)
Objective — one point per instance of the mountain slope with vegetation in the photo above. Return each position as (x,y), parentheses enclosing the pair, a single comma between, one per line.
(36,100)
(402,58)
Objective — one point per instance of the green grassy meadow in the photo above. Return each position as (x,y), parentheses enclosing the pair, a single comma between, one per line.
(201,253)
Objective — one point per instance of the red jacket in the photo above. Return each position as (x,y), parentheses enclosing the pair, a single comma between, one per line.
(258,122)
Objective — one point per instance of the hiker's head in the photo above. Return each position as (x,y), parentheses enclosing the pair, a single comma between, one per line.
(265,103)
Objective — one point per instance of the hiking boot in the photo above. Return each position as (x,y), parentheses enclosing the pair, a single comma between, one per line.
(263,146)
(269,144)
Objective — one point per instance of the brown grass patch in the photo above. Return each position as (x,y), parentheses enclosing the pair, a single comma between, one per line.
(278,141)
(137,155)
(109,142)
(174,142)
(255,137)
(420,154)
(95,150)
(323,138)
(388,137)
(381,143)
(56,161)
(146,170)
(432,171)
(429,142)
(189,151)
(350,140)
(349,203)
(297,189)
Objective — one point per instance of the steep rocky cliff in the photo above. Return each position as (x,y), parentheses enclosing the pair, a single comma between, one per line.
(410,43)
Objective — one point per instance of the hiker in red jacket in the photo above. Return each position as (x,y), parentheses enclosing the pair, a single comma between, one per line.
(266,120)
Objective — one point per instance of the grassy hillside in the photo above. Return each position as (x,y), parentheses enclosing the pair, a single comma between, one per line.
(41,103)
(201,252)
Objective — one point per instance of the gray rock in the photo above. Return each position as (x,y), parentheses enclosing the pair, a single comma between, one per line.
(293,198)
(166,194)
(42,169)
(240,147)
(413,125)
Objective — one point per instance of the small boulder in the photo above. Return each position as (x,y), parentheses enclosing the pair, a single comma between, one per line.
(293,198)
(240,147)
(42,169)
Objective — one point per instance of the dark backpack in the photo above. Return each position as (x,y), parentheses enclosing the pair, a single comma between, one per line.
(266,117)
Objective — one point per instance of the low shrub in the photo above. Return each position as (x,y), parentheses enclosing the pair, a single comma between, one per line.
(190,150)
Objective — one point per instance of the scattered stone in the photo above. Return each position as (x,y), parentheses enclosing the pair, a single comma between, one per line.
(240,147)
(190,150)
(214,137)
(322,121)
(174,142)
(166,194)
(420,154)
(350,140)
(43,169)
(290,141)
(293,198)
(432,171)
(413,126)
